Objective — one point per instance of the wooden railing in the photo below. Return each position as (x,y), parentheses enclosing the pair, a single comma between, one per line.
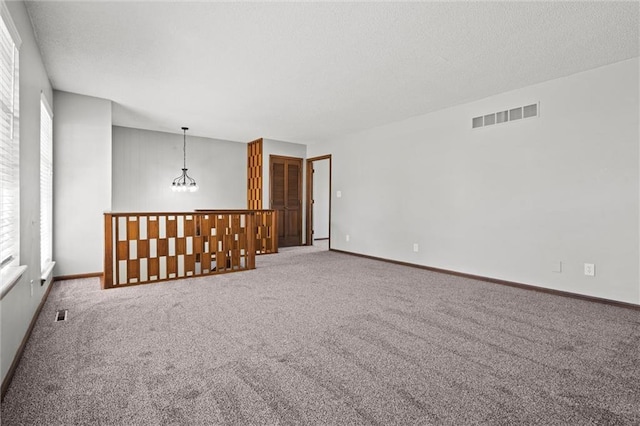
(266,229)
(142,248)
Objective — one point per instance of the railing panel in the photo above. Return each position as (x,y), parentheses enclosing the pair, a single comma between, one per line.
(149,247)
(265,225)
(266,232)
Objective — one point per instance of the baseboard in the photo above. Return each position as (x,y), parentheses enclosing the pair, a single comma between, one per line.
(78,276)
(501,282)
(16,359)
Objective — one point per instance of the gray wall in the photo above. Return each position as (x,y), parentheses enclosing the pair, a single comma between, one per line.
(321,199)
(507,201)
(81,181)
(19,305)
(146,162)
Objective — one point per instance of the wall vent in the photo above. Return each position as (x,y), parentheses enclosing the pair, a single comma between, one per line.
(512,114)
(61,315)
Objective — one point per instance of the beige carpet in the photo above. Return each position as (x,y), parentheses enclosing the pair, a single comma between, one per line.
(318,337)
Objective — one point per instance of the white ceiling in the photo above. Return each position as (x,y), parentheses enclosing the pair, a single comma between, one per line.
(306,72)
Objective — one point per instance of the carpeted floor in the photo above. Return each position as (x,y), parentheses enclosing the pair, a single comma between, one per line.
(318,337)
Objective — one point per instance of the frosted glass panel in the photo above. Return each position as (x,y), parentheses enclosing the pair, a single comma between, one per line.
(133,249)
(143,228)
(189,245)
(162,224)
(153,248)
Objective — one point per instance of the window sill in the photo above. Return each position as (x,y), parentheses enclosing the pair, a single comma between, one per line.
(46,272)
(9,278)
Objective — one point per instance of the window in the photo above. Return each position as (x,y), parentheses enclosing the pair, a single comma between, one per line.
(9,143)
(46,184)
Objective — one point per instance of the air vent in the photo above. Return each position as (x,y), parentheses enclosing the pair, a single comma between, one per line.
(61,315)
(505,116)
(489,119)
(530,111)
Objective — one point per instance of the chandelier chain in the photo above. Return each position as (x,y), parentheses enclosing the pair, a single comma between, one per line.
(184,182)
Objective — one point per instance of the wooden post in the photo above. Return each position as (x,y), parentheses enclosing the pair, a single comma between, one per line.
(274,232)
(250,235)
(107,276)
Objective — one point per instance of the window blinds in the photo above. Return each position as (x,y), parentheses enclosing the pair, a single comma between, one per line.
(9,143)
(46,184)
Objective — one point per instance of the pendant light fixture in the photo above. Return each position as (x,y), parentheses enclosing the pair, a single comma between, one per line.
(184,182)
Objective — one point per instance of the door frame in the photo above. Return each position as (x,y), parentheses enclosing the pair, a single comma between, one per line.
(309,201)
(300,187)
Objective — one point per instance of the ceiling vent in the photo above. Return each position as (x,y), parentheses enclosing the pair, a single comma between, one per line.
(505,116)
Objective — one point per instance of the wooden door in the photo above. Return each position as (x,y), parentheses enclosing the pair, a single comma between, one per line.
(286,198)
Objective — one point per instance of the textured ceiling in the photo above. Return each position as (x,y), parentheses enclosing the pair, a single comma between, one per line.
(305,72)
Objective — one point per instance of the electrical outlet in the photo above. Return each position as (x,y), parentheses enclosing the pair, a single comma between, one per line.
(590,269)
(556,267)
(415,247)
(338,194)
(31,288)
(347,237)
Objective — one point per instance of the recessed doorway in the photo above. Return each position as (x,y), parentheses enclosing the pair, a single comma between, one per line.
(318,223)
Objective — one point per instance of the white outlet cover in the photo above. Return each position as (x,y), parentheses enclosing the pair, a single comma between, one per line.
(339,194)
(590,269)
(347,237)
(556,267)
(416,247)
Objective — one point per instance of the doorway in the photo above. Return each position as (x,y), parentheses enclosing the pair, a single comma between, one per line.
(286,198)
(318,224)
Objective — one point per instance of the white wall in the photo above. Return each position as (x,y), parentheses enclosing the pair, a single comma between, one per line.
(19,305)
(285,149)
(146,162)
(81,181)
(506,201)
(321,199)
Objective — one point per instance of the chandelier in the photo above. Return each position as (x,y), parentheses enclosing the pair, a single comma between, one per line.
(184,182)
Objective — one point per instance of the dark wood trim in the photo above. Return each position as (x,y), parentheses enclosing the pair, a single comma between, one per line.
(107,277)
(321,157)
(309,217)
(78,276)
(308,205)
(213,211)
(320,239)
(16,360)
(141,214)
(530,287)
